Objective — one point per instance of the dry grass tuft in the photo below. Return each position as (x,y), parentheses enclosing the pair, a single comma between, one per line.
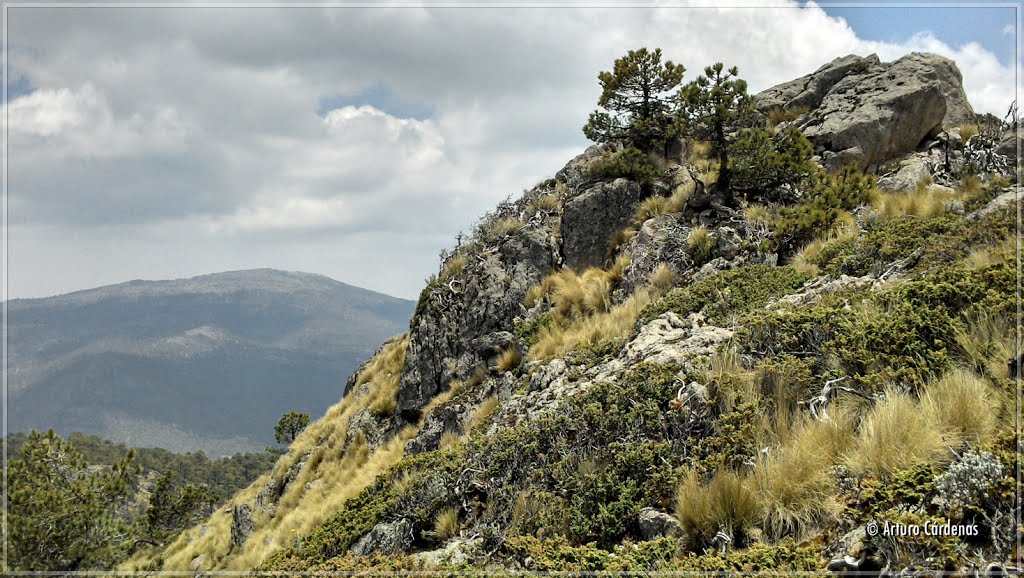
(449,439)
(454,267)
(757,215)
(967,131)
(804,259)
(727,503)
(894,435)
(509,359)
(700,244)
(971,184)
(649,208)
(557,340)
(662,279)
(484,411)
(964,404)
(985,341)
(446,523)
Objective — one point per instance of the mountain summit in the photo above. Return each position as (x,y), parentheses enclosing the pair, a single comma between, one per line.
(206,363)
(738,334)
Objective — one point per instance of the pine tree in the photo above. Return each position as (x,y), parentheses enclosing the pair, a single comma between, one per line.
(61,512)
(636,101)
(713,106)
(289,426)
(174,506)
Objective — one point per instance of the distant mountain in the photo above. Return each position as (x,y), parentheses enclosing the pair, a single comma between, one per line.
(205,363)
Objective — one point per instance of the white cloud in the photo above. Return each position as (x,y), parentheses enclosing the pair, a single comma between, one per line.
(202,124)
(1008,30)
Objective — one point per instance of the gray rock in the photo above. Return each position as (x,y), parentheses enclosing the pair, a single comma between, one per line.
(369,426)
(728,242)
(655,524)
(576,173)
(912,170)
(445,335)
(457,551)
(809,90)
(493,344)
(1011,142)
(198,563)
(869,112)
(277,486)
(592,217)
(242,524)
(442,419)
(1000,202)
(661,239)
(385,538)
(669,340)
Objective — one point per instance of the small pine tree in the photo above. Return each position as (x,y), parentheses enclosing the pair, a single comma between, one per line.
(174,506)
(763,162)
(61,512)
(713,106)
(289,426)
(636,101)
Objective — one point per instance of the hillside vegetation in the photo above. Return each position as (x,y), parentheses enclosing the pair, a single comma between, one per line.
(726,338)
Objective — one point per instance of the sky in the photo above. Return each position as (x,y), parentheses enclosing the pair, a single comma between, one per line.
(157,143)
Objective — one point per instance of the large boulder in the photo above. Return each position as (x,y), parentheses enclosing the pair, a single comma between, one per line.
(592,217)
(864,112)
(385,538)
(654,524)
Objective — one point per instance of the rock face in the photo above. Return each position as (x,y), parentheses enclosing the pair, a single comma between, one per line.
(459,322)
(655,524)
(864,112)
(385,538)
(592,217)
(242,524)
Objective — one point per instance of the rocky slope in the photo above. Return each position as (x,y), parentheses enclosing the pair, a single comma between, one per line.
(611,376)
(205,363)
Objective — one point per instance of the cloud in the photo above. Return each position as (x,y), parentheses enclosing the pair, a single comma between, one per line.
(351,142)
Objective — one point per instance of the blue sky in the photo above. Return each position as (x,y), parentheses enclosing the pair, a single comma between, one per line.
(357,143)
(992,27)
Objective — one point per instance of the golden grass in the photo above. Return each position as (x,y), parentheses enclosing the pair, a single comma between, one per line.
(454,267)
(501,227)
(700,243)
(777,115)
(547,202)
(985,341)
(649,208)
(446,523)
(728,380)
(620,238)
(509,359)
(340,472)
(984,256)
(928,203)
(484,412)
(894,435)
(699,150)
(556,340)
(662,279)
(727,502)
(971,184)
(575,296)
(964,404)
(449,439)
(795,482)
(967,131)
(757,215)
(805,257)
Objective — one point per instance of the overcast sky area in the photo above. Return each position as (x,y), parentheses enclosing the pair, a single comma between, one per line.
(158,143)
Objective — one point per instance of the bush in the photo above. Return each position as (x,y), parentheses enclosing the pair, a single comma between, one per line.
(728,294)
(968,479)
(630,163)
(700,245)
(764,162)
(829,196)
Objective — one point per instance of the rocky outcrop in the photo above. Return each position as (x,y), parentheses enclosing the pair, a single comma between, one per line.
(459,321)
(661,239)
(385,538)
(592,217)
(276,486)
(864,112)
(669,340)
(242,524)
(654,524)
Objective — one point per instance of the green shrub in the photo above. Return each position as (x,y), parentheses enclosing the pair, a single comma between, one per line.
(728,294)
(630,163)
(829,196)
(764,161)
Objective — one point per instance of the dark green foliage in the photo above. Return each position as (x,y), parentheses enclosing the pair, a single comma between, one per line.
(902,335)
(629,163)
(728,294)
(763,162)
(224,476)
(635,100)
(784,557)
(62,514)
(528,332)
(713,106)
(828,195)
(932,243)
(174,506)
(731,442)
(912,487)
(289,426)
